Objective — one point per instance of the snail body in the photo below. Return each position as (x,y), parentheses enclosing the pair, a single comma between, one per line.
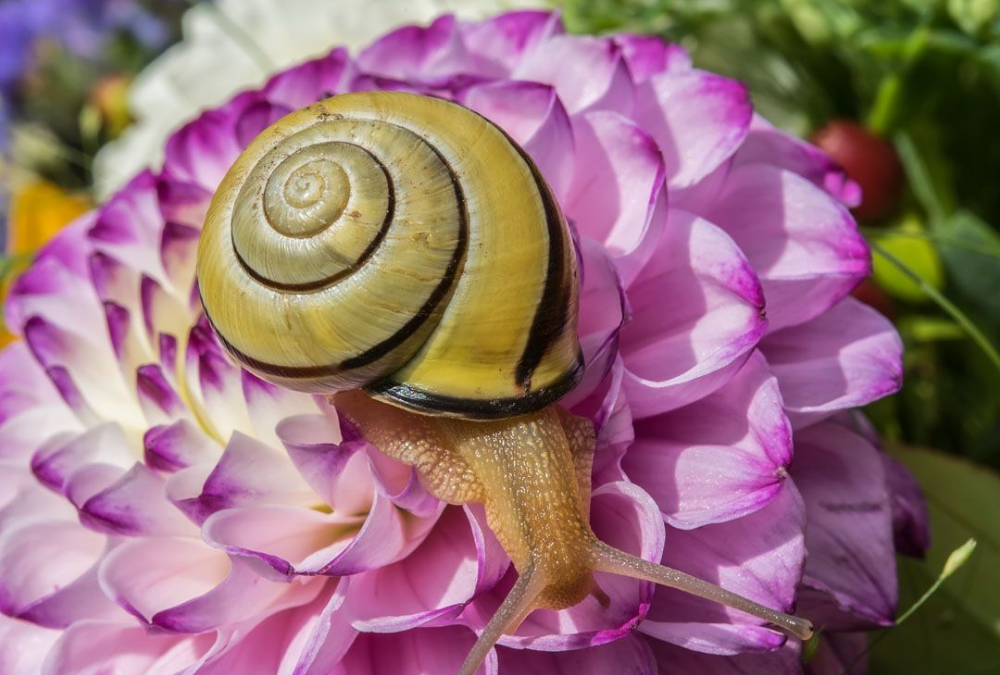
(403,256)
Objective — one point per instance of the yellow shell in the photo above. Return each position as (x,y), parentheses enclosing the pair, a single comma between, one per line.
(399,243)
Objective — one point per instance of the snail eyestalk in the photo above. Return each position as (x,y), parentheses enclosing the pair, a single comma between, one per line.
(532,473)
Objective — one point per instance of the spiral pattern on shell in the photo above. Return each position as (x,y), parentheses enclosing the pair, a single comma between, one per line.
(399,243)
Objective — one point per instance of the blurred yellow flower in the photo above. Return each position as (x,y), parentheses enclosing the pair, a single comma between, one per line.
(38,210)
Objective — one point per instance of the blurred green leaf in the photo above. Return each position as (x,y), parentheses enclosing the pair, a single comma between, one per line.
(971,252)
(957,630)
(972,15)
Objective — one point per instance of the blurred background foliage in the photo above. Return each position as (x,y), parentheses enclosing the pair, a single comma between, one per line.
(905,94)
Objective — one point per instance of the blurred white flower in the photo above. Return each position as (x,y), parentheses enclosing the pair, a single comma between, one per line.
(231,45)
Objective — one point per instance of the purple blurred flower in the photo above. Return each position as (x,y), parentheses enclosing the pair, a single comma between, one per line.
(81,27)
(164,511)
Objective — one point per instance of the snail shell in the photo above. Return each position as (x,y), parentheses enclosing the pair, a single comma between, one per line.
(396,243)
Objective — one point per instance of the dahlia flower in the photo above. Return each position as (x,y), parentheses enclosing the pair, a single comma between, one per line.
(165,512)
(269,35)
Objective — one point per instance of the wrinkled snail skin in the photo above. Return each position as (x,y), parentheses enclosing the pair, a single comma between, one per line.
(399,243)
(405,246)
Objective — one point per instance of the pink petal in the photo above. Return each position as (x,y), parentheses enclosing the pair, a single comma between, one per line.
(910,520)
(160,403)
(415,652)
(163,312)
(176,446)
(717,459)
(266,642)
(596,79)
(284,541)
(324,638)
(507,39)
(427,55)
(24,646)
(766,144)
(135,505)
(25,383)
(715,317)
(268,405)
(603,312)
(784,661)
(91,366)
(458,559)
(252,473)
(617,196)
(851,567)
(631,655)
(648,55)
(535,118)
(846,357)
(30,430)
(759,556)
(804,244)
(178,244)
(334,469)
(39,559)
(697,119)
(311,81)
(55,463)
(86,648)
(203,150)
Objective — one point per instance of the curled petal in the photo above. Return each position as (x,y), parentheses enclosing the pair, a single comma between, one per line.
(176,446)
(766,144)
(603,312)
(717,459)
(333,468)
(25,646)
(311,81)
(414,652)
(507,39)
(617,196)
(459,559)
(39,559)
(675,357)
(759,556)
(55,463)
(599,78)
(648,55)
(784,661)
(252,473)
(84,647)
(432,55)
(804,244)
(630,655)
(697,119)
(135,505)
(844,358)
(851,567)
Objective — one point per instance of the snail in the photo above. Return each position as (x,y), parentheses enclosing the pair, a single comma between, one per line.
(403,256)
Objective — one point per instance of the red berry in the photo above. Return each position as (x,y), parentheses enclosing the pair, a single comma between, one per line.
(869,160)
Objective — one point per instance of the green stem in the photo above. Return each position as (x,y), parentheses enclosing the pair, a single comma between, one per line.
(944,303)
